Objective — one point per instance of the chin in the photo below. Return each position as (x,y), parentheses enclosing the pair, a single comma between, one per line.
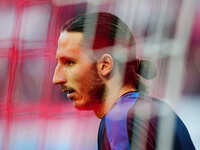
(81,106)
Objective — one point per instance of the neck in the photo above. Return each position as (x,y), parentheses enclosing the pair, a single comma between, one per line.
(111,98)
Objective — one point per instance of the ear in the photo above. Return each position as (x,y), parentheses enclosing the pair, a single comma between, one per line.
(105,65)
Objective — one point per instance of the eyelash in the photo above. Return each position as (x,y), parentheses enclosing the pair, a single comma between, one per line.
(68,62)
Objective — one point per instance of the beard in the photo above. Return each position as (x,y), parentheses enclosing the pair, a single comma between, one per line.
(98,86)
(96,90)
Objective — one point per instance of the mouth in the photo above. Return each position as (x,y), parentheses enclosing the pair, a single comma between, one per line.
(68,93)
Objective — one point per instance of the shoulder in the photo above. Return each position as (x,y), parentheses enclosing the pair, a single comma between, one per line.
(142,121)
(149,107)
(153,118)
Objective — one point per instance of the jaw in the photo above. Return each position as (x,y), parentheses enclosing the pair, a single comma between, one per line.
(84,103)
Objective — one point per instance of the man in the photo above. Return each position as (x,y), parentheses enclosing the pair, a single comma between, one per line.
(97,69)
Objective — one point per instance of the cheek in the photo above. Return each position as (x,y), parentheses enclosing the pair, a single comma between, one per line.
(80,73)
(81,77)
(75,73)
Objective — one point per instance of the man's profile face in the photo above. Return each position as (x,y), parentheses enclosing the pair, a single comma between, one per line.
(76,72)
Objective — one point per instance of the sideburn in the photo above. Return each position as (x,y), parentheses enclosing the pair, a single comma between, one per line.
(97,90)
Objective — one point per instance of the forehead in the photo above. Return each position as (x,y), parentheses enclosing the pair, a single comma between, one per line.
(69,42)
(70,38)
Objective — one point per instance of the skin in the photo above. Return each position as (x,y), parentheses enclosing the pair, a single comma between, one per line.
(94,88)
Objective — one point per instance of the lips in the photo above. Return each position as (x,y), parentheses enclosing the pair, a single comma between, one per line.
(68,92)
(71,96)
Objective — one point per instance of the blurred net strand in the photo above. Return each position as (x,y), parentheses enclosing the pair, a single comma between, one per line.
(174,82)
(92,2)
(183,30)
(157,39)
(181,37)
(13,55)
(128,6)
(165,127)
(158,36)
(179,45)
(155,45)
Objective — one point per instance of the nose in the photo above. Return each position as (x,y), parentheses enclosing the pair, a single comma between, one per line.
(59,75)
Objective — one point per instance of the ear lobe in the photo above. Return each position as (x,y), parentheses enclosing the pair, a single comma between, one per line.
(105,65)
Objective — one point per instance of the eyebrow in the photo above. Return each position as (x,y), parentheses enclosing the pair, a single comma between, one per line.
(65,57)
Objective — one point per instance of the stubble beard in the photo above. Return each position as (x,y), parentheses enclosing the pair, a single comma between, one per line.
(96,91)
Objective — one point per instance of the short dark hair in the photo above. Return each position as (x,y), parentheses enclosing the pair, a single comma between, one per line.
(110,30)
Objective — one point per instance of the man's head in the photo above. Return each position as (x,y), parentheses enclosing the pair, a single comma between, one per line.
(90,48)
(76,73)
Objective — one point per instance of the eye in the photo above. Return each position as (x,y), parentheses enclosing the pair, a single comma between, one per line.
(68,62)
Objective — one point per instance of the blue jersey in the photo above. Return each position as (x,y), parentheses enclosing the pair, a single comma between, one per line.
(133,124)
